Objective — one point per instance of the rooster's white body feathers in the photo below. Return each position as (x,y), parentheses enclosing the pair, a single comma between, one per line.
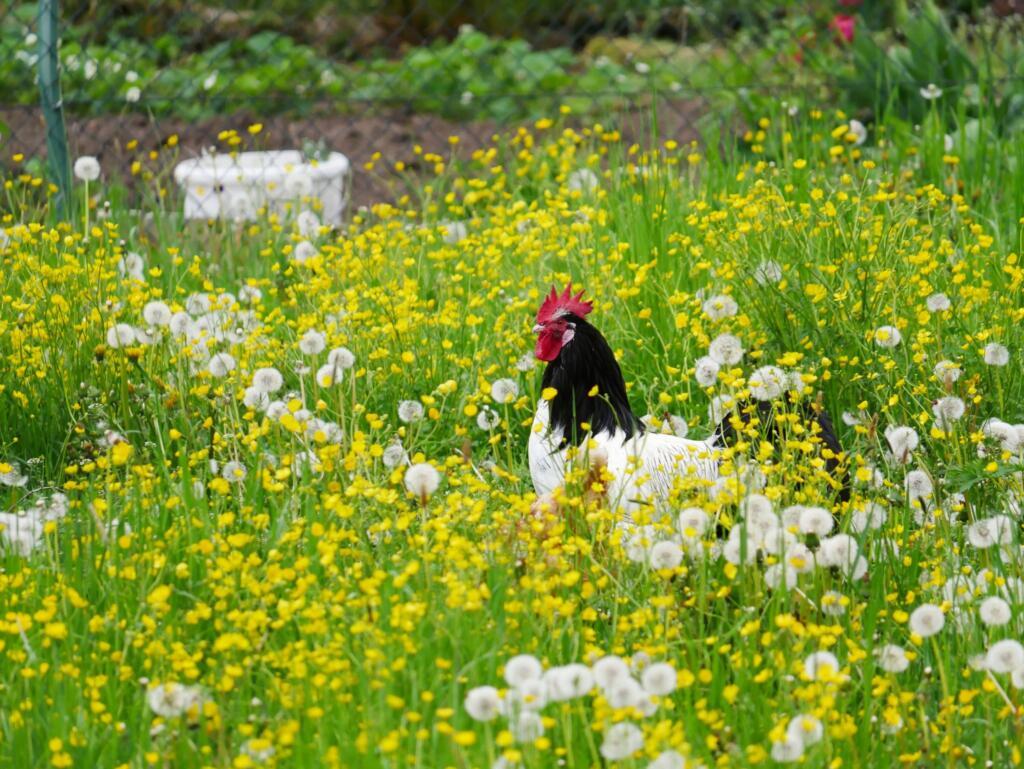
(643,467)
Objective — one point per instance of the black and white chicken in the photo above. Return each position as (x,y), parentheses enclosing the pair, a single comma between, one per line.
(591,404)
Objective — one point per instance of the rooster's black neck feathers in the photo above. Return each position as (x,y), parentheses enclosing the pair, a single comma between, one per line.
(584,362)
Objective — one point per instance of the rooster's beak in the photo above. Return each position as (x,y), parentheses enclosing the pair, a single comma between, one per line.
(538,328)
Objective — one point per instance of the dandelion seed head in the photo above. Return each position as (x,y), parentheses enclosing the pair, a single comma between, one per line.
(312,343)
(87,168)
(422,479)
(996,354)
(927,620)
(726,350)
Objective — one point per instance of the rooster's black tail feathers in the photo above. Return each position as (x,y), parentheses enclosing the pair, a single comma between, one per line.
(815,419)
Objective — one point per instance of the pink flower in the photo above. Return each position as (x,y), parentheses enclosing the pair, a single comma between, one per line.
(844,25)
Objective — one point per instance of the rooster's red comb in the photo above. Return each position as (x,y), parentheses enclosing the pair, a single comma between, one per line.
(560,304)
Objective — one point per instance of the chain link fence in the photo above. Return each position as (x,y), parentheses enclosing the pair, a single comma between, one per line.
(138,77)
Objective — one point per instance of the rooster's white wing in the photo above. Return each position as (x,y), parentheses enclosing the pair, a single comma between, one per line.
(547,460)
(646,467)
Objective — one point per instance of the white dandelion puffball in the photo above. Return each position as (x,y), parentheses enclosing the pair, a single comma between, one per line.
(821,664)
(267,380)
(902,441)
(768,272)
(887,336)
(1007,435)
(569,682)
(670,424)
(582,180)
(994,611)
(787,750)
(197,304)
(948,410)
(659,679)
(133,266)
(221,365)
(157,313)
(422,479)
(87,168)
(312,343)
(930,92)
(839,551)
(815,520)
(668,759)
(757,510)
(938,303)
(523,668)
(988,532)
(947,372)
(892,658)
(608,670)
(171,700)
(504,390)
(526,363)
(483,703)
(341,357)
(529,695)
(726,350)
(705,371)
(918,484)
(1005,656)
(303,252)
(621,741)
(250,294)
(927,620)
(868,516)
(692,522)
(181,324)
(624,693)
(120,335)
(255,399)
(637,546)
(858,132)
(329,375)
(410,411)
(527,727)
(13,477)
(454,232)
(720,307)
(488,419)
(806,728)
(665,555)
(832,603)
(233,471)
(308,224)
(394,455)
(996,355)
(21,533)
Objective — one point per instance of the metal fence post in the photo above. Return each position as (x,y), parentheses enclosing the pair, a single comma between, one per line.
(52,103)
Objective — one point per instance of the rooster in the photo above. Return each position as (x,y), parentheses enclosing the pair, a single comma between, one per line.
(590,402)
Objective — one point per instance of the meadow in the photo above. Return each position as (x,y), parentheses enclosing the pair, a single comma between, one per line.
(266,493)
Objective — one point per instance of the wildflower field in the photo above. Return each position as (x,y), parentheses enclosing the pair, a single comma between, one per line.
(267,501)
